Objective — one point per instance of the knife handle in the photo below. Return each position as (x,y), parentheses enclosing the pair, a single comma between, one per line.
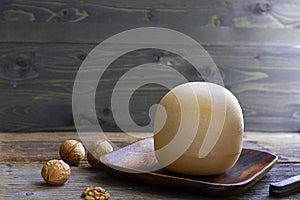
(285,187)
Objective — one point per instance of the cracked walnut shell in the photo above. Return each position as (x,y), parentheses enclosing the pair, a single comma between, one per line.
(72,152)
(56,172)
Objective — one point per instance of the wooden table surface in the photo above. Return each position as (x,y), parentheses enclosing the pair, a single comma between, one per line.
(23,154)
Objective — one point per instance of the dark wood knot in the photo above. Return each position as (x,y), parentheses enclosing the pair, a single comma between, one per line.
(21,62)
(72,14)
(81,56)
(19,67)
(106,111)
(65,13)
(261,8)
(150,15)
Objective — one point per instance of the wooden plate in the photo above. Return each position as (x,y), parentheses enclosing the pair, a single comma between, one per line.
(126,162)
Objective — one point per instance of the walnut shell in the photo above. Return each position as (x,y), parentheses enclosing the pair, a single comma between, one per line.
(96,150)
(56,172)
(72,152)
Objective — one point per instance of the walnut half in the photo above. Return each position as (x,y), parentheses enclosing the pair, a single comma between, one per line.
(95,193)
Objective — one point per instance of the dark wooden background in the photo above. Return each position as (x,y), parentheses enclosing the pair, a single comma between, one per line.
(255,44)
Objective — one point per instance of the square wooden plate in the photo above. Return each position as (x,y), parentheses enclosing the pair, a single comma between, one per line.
(130,163)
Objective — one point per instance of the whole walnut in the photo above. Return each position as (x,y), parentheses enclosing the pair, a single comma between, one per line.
(97,149)
(56,172)
(72,152)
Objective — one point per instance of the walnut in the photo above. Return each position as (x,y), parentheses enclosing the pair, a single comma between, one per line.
(95,193)
(72,152)
(96,150)
(56,172)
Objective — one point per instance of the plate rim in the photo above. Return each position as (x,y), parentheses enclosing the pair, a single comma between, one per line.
(265,169)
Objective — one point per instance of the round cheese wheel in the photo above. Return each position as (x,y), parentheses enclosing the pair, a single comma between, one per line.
(198,129)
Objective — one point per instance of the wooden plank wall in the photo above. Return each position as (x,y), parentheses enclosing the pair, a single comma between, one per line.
(255,44)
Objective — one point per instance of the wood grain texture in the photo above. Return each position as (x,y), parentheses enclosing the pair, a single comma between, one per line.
(209,22)
(20,178)
(231,13)
(36,82)
(97,32)
(42,44)
(24,182)
(27,147)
